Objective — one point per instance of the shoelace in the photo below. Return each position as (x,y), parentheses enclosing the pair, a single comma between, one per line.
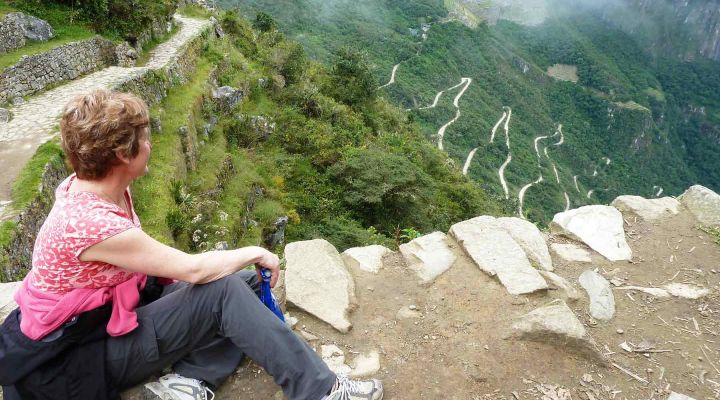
(207,390)
(346,387)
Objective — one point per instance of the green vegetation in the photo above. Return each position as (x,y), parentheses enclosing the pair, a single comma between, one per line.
(713,232)
(194,11)
(655,118)
(25,187)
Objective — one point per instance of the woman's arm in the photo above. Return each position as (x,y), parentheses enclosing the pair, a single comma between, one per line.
(135,251)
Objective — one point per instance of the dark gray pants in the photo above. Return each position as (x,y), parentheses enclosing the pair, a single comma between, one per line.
(204,331)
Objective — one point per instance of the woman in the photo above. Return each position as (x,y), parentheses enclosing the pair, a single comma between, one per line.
(81,329)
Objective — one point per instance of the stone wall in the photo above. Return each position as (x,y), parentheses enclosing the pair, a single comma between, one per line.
(36,72)
(18,256)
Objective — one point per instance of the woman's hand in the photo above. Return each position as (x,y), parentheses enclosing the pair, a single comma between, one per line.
(270,261)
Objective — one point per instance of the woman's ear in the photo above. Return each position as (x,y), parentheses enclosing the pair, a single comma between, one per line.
(122,157)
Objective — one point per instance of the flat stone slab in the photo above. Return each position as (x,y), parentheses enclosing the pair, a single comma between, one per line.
(429,256)
(365,365)
(568,290)
(571,252)
(317,281)
(648,209)
(7,301)
(600,227)
(703,203)
(602,301)
(368,258)
(528,236)
(497,253)
(557,325)
(678,396)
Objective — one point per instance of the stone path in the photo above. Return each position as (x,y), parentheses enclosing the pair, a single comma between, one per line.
(35,122)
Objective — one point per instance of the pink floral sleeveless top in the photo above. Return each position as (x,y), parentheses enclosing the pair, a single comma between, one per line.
(77,221)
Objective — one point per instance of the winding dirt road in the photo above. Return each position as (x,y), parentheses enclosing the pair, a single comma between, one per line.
(521,195)
(441,131)
(501,173)
(392,76)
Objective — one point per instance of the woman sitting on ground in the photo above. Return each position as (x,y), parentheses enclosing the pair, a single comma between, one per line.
(93,319)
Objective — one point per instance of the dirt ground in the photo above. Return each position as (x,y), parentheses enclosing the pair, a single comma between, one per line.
(459,347)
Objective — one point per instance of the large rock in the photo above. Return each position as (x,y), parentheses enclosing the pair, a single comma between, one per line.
(528,236)
(600,227)
(602,301)
(228,96)
(647,209)
(557,325)
(429,256)
(497,253)
(568,290)
(317,281)
(571,252)
(32,28)
(703,203)
(7,301)
(368,258)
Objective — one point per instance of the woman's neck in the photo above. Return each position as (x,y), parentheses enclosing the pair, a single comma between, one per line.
(111,187)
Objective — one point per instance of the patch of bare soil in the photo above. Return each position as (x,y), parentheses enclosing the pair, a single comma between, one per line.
(563,72)
(458,348)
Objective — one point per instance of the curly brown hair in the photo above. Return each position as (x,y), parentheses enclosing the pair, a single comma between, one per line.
(95,126)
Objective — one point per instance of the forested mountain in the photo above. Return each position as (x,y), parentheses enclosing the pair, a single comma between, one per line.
(595,105)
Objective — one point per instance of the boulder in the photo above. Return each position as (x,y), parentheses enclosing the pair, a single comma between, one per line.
(703,203)
(228,96)
(219,33)
(7,300)
(602,301)
(571,252)
(31,27)
(569,291)
(557,325)
(368,258)
(429,256)
(647,209)
(4,115)
(497,253)
(317,281)
(600,227)
(528,236)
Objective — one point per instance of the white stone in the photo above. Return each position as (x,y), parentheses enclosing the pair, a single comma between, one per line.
(497,253)
(556,325)
(528,236)
(600,227)
(570,252)
(365,365)
(678,396)
(602,301)
(334,358)
(368,258)
(657,292)
(703,203)
(429,256)
(317,281)
(7,301)
(686,291)
(647,209)
(407,313)
(569,291)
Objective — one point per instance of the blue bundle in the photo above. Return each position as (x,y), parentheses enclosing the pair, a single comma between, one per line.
(267,296)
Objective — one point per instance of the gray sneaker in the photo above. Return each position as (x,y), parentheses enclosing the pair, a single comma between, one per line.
(176,387)
(346,389)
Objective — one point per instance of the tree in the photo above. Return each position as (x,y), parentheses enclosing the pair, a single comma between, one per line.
(264,22)
(351,80)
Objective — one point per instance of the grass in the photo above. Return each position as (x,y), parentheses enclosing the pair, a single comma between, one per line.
(6,232)
(194,12)
(713,232)
(61,18)
(152,194)
(25,188)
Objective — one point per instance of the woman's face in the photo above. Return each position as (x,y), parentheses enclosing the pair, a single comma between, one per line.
(139,164)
